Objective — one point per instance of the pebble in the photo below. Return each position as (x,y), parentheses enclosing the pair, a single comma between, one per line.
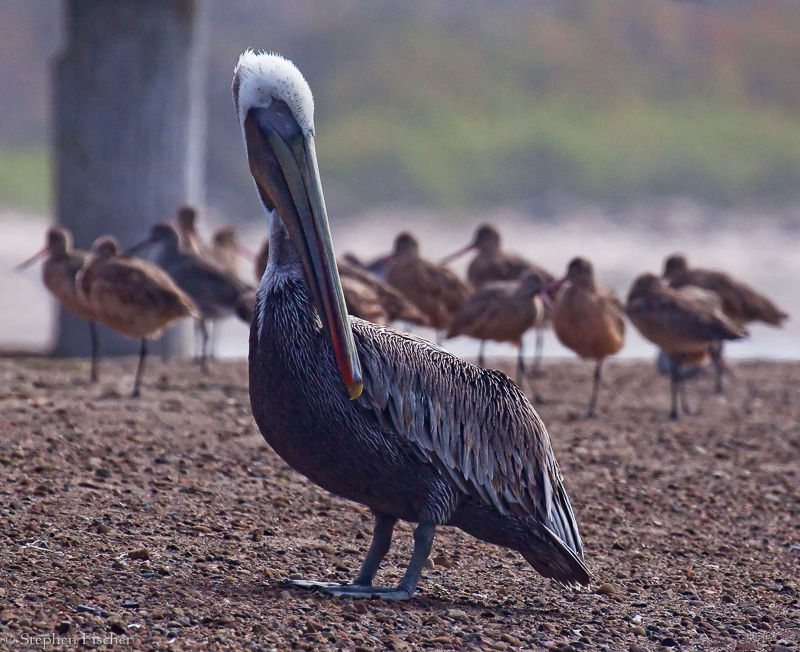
(457,614)
(142,554)
(606,589)
(639,630)
(284,595)
(295,576)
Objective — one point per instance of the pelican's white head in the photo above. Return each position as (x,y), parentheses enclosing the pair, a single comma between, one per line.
(261,77)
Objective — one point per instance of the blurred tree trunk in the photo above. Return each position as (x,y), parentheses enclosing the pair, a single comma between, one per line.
(129,123)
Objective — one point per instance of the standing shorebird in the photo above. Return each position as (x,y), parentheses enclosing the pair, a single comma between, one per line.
(502,311)
(188,237)
(588,318)
(685,325)
(435,290)
(134,297)
(740,302)
(373,415)
(216,293)
(58,273)
(491,264)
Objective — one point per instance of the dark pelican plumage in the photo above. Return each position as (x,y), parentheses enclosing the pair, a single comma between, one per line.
(380,417)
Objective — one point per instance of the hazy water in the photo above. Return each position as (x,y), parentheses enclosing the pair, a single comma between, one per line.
(754,248)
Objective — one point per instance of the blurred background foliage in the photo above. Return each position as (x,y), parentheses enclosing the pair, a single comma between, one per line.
(458,106)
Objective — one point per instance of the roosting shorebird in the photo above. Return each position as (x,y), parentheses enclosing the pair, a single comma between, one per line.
(365,295)
(685,325)
(491,264)
(188,237)
(58,273)
(434,289)
(502,311)
(216,293)
(740,302)
(134,297)
(589,319)
(380,417)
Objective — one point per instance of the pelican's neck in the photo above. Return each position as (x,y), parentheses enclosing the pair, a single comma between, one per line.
(284,261)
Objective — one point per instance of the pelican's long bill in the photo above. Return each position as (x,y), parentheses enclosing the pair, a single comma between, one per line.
(283,163)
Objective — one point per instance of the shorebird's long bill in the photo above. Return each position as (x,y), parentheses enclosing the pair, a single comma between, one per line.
(283,163)
(456,254)
(31,260)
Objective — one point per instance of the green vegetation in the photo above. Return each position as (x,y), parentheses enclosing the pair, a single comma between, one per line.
(25,179)
(600,101)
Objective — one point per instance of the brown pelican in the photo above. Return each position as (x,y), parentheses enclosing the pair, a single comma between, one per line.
(217,293)
(134,297)
(381,417)
(589,319)
(502,311)
(491,264)
(740,302)
(686,326)
(58,273)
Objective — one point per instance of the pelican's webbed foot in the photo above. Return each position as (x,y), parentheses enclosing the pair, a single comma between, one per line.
(358,591)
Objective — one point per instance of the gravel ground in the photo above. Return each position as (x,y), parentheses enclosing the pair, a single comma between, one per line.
(167,523)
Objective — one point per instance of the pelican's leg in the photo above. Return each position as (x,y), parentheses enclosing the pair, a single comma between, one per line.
(480,354)
(423,542)
(93,375)
(137,383)
(203,345)
(381,542)
(595,387)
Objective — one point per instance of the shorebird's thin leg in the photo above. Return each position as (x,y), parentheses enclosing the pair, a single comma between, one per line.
(674,376)
(719,367)
(93,375)
(381,542)
(480,354)
(538,352)
(203,346)
(595,387)
(423,542)
(523,379)
(520,365)
(137,383)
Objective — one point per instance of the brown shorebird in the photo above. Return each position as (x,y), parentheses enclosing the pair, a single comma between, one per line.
(58,273)
(225,249)
(216,293)
(435,290)
(188,238)
(588,318)
(683,324)
(740,302)
(491,263)
(134,297)
(501,311)
(366,295)
(370,414)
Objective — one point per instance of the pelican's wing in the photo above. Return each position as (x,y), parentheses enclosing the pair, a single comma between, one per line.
(475,425)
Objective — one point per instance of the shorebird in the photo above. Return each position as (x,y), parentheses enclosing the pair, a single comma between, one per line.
(740,302)
(216,293)
(188,238)
(58,274)
(435,290)
(685,325)
(501,311)
(589,319)
(491,264)
(380,417)
(134,297)
(365,295)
